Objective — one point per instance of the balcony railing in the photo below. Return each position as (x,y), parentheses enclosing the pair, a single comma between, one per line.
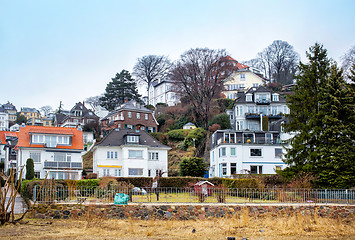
(262,101)
(251,140)
(71,165)
(252,115)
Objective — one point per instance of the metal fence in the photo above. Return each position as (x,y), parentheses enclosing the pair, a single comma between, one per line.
(92,195)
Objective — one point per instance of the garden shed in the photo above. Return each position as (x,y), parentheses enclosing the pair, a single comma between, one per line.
(204,187)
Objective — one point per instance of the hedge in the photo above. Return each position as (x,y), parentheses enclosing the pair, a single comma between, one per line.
(178,134)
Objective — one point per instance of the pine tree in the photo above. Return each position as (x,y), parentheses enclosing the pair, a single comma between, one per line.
(121,88)
(322,116)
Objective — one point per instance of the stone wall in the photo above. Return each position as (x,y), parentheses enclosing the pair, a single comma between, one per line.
(185,212)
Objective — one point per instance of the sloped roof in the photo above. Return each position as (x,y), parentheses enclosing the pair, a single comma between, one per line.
(24,137)
(85,112)
(117,138)
(27,109)
(9,106)
(5,134)
(130,105)
(260,89)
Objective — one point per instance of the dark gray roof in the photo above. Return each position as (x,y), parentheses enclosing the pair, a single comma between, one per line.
(85,112)
(242,99)
(26,109)
(117,137)
(59,117)
(130,105)
(9,106)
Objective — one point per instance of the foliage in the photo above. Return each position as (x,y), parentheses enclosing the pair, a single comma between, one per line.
(30,169)
(162,118)
(20,118)
(88,182)
(214,127)
(93,126)
(193,167)
(161,137)
(195,137)
(198,75)
(225,103)
(91,176)
(161,104)
(222,120)
(178,134)
(348,61)
(322,114)
(150,107)
(274,86)
(179,124)
(121,88)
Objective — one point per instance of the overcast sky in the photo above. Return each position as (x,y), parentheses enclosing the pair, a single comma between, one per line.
(68,50)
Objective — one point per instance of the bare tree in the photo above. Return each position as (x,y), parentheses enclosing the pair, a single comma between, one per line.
(348,60)
(199,76)
(150,68)
(93,101)
(278,62)
(45,110)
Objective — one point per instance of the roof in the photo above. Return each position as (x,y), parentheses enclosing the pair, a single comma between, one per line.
(203,182)
(7,134)
(60,117)
(241,96)
(117,138)
(87,113)
(130,105)
(189,124)
(9,106)
(26,109)
(238,65)
(25,136)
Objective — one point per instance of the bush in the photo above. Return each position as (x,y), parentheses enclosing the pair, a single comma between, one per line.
(181,122)
(161,104)
(198,135)
(30,169)
(225,103)
(161,137)
(162,118)
(178,134)
(222,120)
(194,167)
(150,107)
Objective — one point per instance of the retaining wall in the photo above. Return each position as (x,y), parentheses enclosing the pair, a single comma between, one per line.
(185,212)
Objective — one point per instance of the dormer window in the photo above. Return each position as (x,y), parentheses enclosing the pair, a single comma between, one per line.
(132,139)
(275,97)
(248,98)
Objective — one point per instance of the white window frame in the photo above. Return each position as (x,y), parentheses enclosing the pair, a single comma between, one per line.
(36,159)
(131,155)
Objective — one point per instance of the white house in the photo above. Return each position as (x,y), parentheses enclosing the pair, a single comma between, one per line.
(240,152)
(8,141)
(161,91)
(54,150)
(130,153)
(4,121)
(15,128)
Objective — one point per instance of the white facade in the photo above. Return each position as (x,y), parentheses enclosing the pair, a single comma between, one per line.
(15,128)
(241,156)
(64,164)
(161,92)
(4,121)
(130,153)
(125,164)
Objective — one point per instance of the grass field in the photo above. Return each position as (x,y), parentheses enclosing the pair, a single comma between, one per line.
(298,227)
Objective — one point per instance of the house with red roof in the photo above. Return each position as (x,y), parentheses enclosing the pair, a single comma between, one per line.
(54,150)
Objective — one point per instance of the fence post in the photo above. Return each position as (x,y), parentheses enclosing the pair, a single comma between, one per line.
(34,194)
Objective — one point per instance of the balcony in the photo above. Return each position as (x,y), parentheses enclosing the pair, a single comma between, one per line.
(252,116)
(275,116)
(63,165)
(262,101)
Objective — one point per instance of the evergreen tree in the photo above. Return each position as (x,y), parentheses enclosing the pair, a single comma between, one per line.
(30,169)
(121,88)
(322,116)
(193,167)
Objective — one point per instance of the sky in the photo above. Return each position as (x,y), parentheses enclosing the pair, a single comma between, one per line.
(65,50)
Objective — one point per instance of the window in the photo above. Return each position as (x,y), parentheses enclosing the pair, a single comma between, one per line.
(275,97)
(138,116)
(224,168)
(149,172)
(37,174)
(153,156)
(285,110)
(232,151)
(233,168)
(255,85)
(242,76)
(135,171)
(68,157)
(117,172)
(116,155)
(248,98)
(239,125)
(36,156)
(135,154)
(255,152)
(256,169)
(222,152)
(106,172)
(59,157)
(132,139)
(111,154)
(146,116)
(278,152)
(108,154)
(129,114)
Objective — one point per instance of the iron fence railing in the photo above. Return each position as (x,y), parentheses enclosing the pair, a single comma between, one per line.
(74,194)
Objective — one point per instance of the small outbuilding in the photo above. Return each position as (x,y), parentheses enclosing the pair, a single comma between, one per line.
(189,125)
(204,187)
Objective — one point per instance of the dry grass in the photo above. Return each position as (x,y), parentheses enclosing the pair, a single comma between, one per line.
(297,226)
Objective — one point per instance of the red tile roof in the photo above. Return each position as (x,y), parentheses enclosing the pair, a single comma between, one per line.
(25,136)
(238,65)
(4,134)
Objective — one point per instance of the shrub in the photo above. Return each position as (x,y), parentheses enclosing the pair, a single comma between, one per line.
(161,104)
(161,137)
(225,103)
(91,176)
(30,169)
(194,167)
(150,107)
(222,120)
(214,127)
(181,122)
(178,134)
(162,118)
(88,183)
(198,135)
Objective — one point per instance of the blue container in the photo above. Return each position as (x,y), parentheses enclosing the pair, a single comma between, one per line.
(121,199)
